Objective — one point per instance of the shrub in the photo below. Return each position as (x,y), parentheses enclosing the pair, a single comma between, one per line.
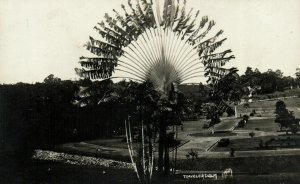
(205,126)
(280,107)
(294,129)
(246,118)
(224,142)
(192,154)
(246,105)
(267,143)
(261,143)
(241,123)
(232,151)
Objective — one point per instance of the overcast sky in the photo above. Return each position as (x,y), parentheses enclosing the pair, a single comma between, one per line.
(42,37)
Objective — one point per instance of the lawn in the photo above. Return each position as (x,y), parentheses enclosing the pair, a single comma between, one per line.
(245,144)
(46,172)
(267,107)
(244,165)
(216,134)
(261,124)
(279,94)
(43,172)
(265,130)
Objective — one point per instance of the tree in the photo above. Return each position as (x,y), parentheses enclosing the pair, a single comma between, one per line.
(225,91)
(51,79)
(250,82)
(286,118)
(246,106)
(252,134)
(164,47)
(266,82)
(288,82)
(213,114)
(280,107)
(279,73)
(251,78)
(297,77)
(249,71)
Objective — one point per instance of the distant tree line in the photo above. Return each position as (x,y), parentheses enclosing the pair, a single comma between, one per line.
(269,81)
(261,82)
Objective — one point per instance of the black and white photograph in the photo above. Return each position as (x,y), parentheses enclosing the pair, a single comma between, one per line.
(150,91)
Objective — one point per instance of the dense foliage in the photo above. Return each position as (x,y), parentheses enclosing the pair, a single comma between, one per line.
(44,114)
(267,82)
(286,118)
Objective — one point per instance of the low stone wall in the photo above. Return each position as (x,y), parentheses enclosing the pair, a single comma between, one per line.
(78,159)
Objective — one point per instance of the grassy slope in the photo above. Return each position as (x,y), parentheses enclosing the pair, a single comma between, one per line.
(267,107)
(278,94)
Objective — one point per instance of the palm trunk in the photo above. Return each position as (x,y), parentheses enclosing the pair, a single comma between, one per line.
(161,149)
(176,150)
(130,149)
(150,152)
(166,159)
(235,111)
(151,159)
(153,135)
(143,151)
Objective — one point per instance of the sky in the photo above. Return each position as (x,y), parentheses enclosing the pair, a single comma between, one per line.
(38,38)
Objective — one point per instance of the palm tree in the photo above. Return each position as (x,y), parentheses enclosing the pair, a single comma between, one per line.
(164,46)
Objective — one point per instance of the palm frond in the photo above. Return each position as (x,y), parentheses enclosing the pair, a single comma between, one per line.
(163,46)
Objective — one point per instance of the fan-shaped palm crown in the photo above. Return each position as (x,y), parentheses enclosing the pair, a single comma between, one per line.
(163,46)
